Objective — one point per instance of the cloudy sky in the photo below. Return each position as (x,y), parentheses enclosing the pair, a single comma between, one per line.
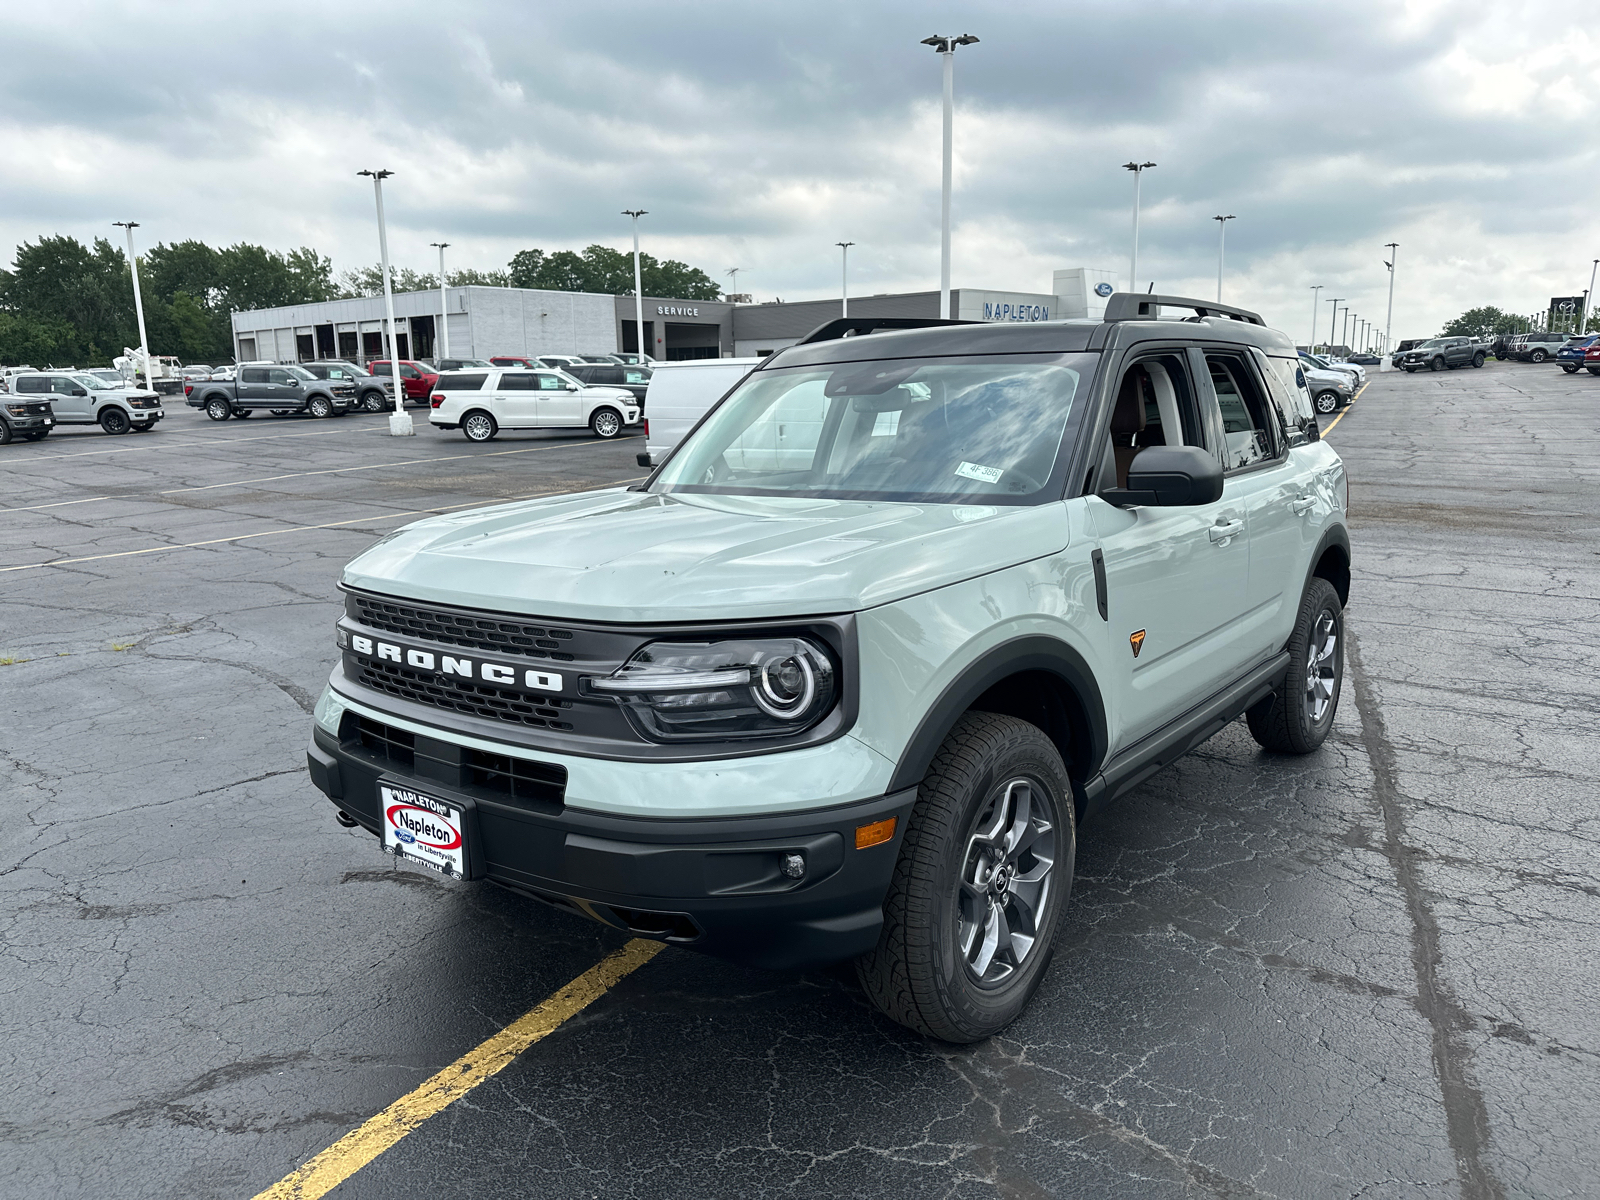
(760,134)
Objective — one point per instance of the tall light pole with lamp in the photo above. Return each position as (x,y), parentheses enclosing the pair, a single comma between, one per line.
(444,304)
(945,45)
(138,304)
(638,285)
(1222,233)
(1333,325)
(1138,170)
(733,274)
(1312,344)
(844,277)
(1388,321)
(1583,317)
(400,419)
(1344,338)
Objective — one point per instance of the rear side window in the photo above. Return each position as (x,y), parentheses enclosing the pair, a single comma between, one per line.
(31,383)
(460,383)
(1286,383)
(1245,424)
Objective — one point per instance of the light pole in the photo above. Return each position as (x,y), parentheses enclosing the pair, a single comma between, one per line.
(1138,169)
(638,286)
(399,420)
(1344,338)
(844,277)
(1312,344)
(946,46)
(1333,325)
(1388,321)
(138,304)
(733,274)
(444,305)
(1583,317)
(1222,233)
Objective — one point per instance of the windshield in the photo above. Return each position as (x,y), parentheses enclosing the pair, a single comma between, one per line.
(94,383)
(950,430)
(1432,342)
(300,373)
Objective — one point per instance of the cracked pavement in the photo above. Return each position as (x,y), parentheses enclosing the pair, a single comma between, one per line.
(1369,972)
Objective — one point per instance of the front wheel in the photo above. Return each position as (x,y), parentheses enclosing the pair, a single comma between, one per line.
(1326,402)
(978,888)
(1297,717)
(479,426)
(218,410)
(320,406)
(1436,365)
(606,423)
(374,402)
(1538,356)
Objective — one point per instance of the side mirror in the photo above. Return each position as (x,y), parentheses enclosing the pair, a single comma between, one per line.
(1169,477)
(572,387)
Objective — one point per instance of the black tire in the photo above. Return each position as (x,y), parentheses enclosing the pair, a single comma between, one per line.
(1594,370)
(319,406)
(479,426)
(243,413)
(114,421)
(1436,365)
(1296,719)
(144,427)
(281,412)
(1570,368)
(919,973)
(36,437)
(1477,360)
(1538,356)
(374,402)
(1326,402)
(1410,370)
(218,409)
(605,423)
(5,434)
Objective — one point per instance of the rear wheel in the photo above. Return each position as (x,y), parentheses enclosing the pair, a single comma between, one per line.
(1570,368)
(479,426)
(983,873)
(217,409)
(320,406)
(1326,402)
(1297,717)
(1477,360)
(1538,356)
(606,422)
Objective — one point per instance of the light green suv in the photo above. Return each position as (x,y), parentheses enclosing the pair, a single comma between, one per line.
(843,678)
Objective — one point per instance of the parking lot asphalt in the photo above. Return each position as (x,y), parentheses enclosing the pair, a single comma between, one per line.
(1368,972)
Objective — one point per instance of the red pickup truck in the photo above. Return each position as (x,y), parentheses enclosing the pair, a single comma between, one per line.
(417,379)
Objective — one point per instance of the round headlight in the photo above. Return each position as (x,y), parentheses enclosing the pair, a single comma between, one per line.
(785,686)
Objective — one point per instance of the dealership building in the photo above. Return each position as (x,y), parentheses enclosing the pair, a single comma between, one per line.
(485,321)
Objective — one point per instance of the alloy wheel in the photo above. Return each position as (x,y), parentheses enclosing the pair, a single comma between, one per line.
(1321,667)
(479,427)
(1006,876)
(606,423)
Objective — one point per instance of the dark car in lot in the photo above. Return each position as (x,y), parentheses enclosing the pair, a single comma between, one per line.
(1571,355)
(632,379)
(1591,357)
(1539,346)
(1437,354)
(278,390)
(373,393)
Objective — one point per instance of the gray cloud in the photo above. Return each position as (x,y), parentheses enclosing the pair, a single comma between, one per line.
(758,136)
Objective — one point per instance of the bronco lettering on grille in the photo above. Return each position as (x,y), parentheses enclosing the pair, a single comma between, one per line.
(466,668)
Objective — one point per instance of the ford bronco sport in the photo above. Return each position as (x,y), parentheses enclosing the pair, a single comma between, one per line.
(845,675)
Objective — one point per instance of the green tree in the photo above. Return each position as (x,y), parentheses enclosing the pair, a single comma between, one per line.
(609,272)
(1484,322)
(60,280)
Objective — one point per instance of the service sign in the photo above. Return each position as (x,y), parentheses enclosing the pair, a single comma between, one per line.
(422,830)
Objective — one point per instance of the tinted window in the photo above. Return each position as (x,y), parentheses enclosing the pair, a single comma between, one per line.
(62,386)
(459,383)
(253,375)
(505,362)
(1286,383)
(409,372)
(1244,417)
(30,383)
(279,375)
(516,381)
(324,372)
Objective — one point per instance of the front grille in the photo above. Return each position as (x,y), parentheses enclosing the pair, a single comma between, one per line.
(478,699)
(492,633)
(39,410)
(538,785)
(379,740)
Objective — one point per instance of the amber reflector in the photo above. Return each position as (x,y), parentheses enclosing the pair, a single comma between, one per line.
(875,834)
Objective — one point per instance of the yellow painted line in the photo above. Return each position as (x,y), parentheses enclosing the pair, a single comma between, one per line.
(360,1146)
(1347,408)
(241,537)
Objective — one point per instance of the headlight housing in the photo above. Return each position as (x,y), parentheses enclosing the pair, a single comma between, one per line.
(728,690)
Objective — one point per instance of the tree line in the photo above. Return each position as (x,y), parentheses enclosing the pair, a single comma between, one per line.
(64,302)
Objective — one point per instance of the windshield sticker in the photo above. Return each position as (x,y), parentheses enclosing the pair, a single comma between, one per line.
(982,474)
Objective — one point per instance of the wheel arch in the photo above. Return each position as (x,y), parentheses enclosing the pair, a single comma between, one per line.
(1037,679)
(1332,562)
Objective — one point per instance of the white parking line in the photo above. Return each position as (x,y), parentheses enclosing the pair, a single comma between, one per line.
(167,444)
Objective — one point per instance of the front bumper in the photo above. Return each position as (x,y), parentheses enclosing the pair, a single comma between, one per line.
(714,885)
(29,423)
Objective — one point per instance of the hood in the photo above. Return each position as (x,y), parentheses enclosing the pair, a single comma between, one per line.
(639,557)
(1322,375)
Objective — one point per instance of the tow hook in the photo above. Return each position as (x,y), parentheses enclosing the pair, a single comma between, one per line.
(345,818)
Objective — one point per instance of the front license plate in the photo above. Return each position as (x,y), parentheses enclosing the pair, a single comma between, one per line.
(423,830)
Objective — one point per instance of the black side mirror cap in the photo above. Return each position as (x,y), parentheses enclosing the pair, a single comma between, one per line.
(1169,477)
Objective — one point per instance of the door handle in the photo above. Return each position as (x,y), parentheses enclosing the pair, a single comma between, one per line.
(1303,505)
(1222,531)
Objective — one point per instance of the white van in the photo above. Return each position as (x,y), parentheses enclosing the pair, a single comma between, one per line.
(482,403)
(680,393)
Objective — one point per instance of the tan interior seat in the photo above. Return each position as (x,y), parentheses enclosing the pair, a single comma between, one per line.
(1127,421)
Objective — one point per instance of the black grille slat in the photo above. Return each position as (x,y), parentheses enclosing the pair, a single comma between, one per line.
(477,633)
(539,785)
(475,699)
(379,740)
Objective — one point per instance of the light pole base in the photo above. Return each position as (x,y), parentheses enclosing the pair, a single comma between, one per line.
(400,425)
(1386,363)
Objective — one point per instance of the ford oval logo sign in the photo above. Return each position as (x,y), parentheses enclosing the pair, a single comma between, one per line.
(1103,289)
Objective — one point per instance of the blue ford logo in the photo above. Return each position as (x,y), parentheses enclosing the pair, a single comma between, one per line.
(1103,289)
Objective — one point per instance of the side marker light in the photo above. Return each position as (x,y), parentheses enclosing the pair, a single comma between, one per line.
(875,834)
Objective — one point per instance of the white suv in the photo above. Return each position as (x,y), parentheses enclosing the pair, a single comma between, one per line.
(482,403)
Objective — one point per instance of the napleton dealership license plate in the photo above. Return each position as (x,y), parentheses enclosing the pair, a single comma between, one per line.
(423,830)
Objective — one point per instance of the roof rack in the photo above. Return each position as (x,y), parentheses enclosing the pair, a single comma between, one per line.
(1138,306)
(844,327)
